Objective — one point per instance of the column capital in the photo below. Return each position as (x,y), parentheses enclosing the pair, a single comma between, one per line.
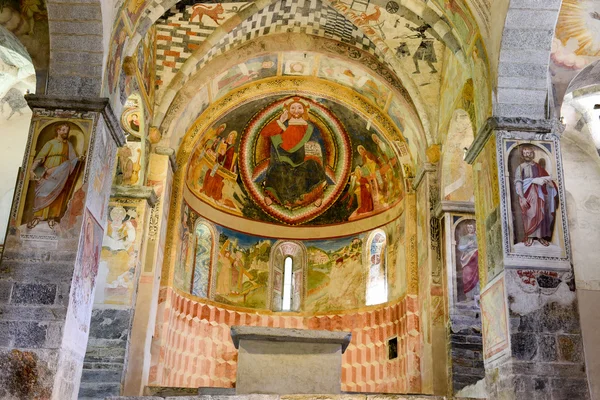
(449,206)
(135,192)
(427,167)
(79,103)
(508,124)
(170,152)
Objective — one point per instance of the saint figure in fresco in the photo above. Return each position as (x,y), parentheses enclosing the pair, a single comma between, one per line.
(295,175)
(469,257)
(363,182)
(425,51)
(54,172)
(225,157)
(538,198)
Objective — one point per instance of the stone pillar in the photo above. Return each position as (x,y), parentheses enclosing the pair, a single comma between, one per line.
(50,263)
(119,275)
(413,325)
(462,293)
(161,167)
(530,321)
(431,292)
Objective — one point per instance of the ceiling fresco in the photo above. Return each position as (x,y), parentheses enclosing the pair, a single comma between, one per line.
(307,64)
(576,42)
(295,160)
(28,21)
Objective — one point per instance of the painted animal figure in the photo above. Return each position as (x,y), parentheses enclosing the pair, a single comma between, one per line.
(15,101)
(374,17)
(214,13)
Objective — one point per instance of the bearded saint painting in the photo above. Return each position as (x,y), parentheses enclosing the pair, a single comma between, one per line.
(295,174)
(536,198)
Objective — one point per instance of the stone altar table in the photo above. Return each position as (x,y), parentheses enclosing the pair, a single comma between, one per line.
(286,361)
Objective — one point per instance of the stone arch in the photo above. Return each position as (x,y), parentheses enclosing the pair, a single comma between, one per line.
(581,164)
(524,57)
(77,48)
(279,252)
(456,175)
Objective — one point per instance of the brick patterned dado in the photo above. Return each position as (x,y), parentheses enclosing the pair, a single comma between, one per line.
(197,351)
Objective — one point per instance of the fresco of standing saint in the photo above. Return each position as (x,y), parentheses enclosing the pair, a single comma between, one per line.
(54,171)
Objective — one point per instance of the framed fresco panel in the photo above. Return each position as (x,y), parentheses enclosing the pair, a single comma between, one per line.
(494,320)
(533,202)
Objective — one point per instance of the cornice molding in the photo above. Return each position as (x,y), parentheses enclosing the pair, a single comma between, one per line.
(427,167)
(169,152)
(449,206)
(135,192)
(505,124)
(94,104)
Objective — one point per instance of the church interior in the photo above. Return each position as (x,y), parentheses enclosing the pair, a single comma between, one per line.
(332,199)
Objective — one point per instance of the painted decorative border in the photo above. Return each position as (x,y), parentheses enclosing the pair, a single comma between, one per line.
(343,147)
(512,257)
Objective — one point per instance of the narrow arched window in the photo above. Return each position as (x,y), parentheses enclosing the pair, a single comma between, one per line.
(286,301)
(202,260)
(287,276)
(377,292)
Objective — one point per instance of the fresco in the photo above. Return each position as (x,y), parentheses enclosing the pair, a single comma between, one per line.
(577,37)
(494,319)
(533,201)
(456,175)
(85,271)
(184,265)
(336,277)
(203,259)
(114,63)
(242,270)
(377,284)
(120,253)
(354,77)
(129,164)
(298,63)
(295,160)
(248,71)
(396,255)
(55,172)
(467,261)
(482,83)
(232,268)
(101,171)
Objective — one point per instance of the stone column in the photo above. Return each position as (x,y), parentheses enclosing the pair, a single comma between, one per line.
(48,272)
(110,341)
(161,167)
(531,330)
(462,293)
(431,292)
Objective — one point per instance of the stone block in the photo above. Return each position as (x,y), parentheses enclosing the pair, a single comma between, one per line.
(570,348)
(547,350)
(101,376)
(110,323)
(297,355)
(29,334)
(5,290)
(99,390)
(33,293)
(529,39)
(524,346)
(569,389)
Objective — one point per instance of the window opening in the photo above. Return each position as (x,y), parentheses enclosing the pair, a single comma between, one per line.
(287,284)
